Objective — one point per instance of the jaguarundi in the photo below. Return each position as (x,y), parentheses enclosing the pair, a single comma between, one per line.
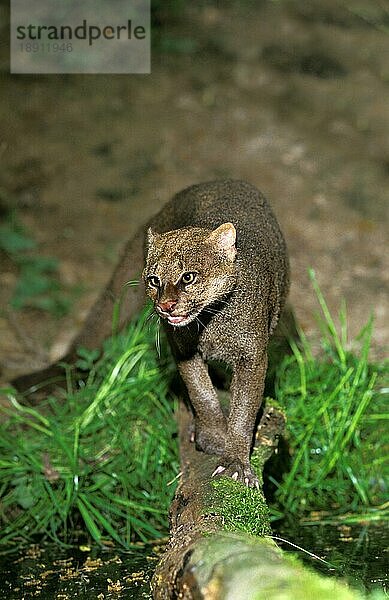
(217,271)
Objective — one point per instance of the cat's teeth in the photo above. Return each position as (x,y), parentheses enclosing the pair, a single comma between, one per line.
(175,320)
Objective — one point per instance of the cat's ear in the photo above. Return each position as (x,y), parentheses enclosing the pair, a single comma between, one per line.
(152,237)
(223,239)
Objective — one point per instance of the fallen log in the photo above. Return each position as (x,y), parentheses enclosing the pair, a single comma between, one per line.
(198,507)
(220,546)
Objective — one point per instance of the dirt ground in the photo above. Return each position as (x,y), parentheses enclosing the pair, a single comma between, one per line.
(291,96)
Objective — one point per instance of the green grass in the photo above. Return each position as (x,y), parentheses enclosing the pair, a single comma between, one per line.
(101,460)
(336,422)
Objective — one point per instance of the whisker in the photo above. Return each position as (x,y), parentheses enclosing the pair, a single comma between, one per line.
(211,311)
(158,338)
(151,316)
(202,324)
(151,323)
(131,283)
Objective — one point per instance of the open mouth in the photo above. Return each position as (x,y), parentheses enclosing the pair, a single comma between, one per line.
(178,320)
(175,319)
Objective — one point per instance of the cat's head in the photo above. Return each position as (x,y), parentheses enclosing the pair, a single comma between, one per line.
(189,269)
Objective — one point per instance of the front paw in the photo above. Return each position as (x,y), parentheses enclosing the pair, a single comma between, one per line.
(211,440)
(237,470)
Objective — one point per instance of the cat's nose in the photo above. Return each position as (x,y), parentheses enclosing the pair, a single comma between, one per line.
(167,306)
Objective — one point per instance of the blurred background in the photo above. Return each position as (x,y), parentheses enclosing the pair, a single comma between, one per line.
(289,95)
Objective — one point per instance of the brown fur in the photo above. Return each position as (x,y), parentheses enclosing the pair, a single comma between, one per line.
(229,311)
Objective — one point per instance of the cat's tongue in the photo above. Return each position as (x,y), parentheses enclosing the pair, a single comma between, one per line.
(175,320)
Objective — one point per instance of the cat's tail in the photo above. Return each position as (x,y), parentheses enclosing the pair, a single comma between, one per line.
(120,301)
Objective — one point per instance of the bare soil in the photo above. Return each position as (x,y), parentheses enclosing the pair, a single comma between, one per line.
(291,96)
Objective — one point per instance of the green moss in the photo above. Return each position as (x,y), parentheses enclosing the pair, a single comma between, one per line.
(240,508)
(272,403)
(258,458)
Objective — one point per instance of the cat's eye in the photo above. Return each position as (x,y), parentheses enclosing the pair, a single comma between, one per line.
(188,278)
(154,281)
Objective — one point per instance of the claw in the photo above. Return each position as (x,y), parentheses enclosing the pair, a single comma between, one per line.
(257,485)
(234,476)
(246,481)
(218,470)
(192,437)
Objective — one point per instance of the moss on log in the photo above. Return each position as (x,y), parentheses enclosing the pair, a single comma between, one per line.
(204,506)
(219,547)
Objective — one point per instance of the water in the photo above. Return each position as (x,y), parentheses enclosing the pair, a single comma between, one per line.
(358,553)
(46,571)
